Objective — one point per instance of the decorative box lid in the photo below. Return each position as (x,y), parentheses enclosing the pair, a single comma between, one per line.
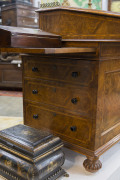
(28,142)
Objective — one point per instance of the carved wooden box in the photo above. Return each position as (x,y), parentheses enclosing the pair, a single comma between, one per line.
(30,154)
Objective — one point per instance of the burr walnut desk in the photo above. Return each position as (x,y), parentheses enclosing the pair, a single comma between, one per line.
(76,97)
(73,90)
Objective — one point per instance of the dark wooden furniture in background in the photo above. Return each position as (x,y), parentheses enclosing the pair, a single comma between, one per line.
(0,17)
(72,93)
(19,15)
(27,37)
(3,3)
(10,76)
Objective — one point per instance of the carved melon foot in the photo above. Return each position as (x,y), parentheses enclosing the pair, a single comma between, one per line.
(92,164)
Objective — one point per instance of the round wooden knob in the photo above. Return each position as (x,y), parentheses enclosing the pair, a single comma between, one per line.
(73,128)
(35,116)
(74,100)
(35,69)
(74,74)
(35,91)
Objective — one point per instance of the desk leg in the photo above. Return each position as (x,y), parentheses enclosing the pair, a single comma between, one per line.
(92,164)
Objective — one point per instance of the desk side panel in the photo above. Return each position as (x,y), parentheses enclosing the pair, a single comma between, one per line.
(108,107)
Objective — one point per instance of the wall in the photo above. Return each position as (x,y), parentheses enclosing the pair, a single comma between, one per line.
(36,2)
(97,4)
(105,5)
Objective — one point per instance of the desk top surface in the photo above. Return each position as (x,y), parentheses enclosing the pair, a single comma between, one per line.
(80,10)
(49,50)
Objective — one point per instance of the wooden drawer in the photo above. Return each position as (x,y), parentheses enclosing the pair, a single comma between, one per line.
(79,100)
(69,126)
(10,75)
(27,13)
(78,72)
(26,21)
(9,18)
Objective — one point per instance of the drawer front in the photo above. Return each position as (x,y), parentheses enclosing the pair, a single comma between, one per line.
(79,100)
(27,21)
(76,72)
(27,13)
(12,76)
(60,123)
(9,18)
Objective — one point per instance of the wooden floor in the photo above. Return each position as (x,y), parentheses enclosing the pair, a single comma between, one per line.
(6,122)
(11,104)
(11,93)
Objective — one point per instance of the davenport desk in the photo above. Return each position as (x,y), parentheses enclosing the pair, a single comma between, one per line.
(73,88)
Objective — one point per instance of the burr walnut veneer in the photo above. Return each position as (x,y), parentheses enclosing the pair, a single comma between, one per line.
(76,98)
(74,91)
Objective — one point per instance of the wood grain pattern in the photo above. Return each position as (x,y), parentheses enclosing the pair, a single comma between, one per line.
(80,24)
(62,69)
(10,76)
(9,18)
(76,95)
(19,15)
(28,38)
(55,88)
(26,12)
(49,119)
(108,101)
(23,41)
(108,49)
(54,82)
(62,95)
